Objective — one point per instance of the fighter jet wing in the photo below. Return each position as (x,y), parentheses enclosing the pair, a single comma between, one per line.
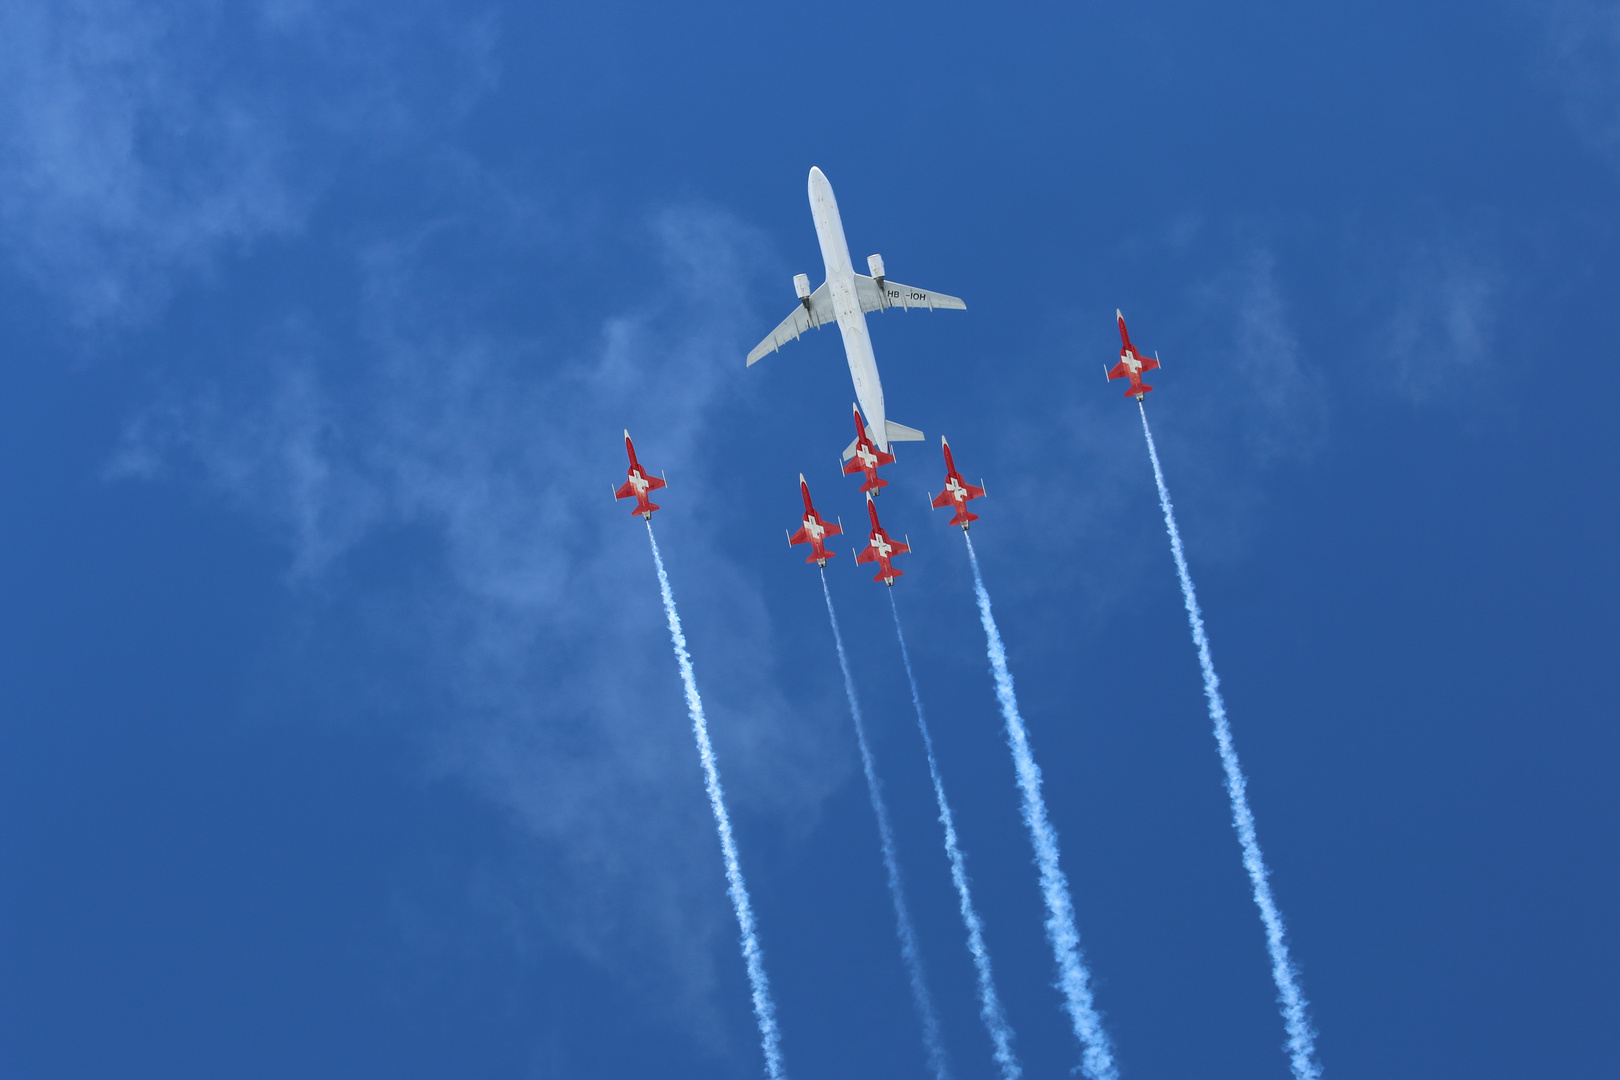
(627,490)
(894,294)
(814,311)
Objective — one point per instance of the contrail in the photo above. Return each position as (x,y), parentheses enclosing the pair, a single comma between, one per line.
(764,1007)
(1096,1053)
(909,951)
(990,1011)
(1301,1036)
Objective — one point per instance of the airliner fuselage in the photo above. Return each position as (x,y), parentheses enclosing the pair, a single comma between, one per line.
(847,306)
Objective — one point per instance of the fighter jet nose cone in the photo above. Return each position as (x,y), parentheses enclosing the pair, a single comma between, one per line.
(801,478)
(627,433)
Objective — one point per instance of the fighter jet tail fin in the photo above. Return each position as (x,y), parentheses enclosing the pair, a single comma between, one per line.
(901,433)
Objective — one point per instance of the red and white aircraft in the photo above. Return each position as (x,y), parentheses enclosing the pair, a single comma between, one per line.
(639,484)
(957,491)
(867,457)
(880,549)
(1131,363)
(814,531)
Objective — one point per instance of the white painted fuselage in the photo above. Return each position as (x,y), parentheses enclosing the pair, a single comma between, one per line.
(847,306)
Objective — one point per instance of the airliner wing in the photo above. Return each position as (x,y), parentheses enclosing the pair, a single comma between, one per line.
(818,311)
(894,294)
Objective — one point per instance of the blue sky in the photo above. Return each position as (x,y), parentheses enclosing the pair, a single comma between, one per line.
(341,733)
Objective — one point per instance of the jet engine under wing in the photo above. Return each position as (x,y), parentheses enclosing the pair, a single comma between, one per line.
(893,294)
(813,311)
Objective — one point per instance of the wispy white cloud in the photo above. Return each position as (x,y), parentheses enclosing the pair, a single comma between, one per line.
(1276,398)
(534,618)
(1582,59)
(1443,320)
(140,142)
(98,104)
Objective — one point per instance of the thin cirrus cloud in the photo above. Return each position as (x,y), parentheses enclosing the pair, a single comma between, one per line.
(1444,323)
(1582,58)
(135,156)
(1277,398)
(139,143)
(532,619)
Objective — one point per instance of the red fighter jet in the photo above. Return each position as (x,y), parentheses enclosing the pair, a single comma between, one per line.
(1131,363)
(957,491)
(814,531)
(639,484)
(880,549)
(864,457)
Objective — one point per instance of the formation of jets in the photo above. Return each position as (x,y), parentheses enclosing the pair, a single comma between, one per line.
(846,298)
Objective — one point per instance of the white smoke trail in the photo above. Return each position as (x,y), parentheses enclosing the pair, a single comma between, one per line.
(909,950)
(764,1008)
(1096,1053)
(990,1011)
(1301,1036)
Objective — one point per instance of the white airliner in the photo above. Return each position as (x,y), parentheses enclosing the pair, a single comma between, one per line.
(846,297)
